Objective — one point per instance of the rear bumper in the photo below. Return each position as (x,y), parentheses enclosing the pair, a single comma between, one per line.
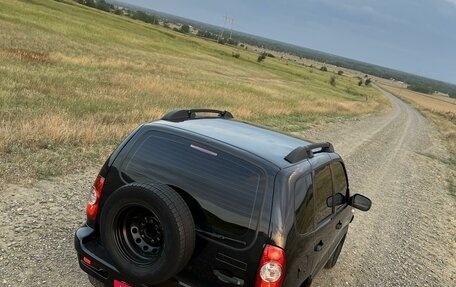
(94,260)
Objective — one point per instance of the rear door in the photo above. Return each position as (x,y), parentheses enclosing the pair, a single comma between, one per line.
(229,192)
(300,244)
(324,231)
(342,214)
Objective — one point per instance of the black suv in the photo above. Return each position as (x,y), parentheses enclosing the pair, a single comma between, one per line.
(199,199)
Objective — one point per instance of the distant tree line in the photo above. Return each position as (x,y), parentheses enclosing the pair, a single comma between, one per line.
(98,4)
(207,34)
(421,88)
(103,5)
(426,88)
(142,16)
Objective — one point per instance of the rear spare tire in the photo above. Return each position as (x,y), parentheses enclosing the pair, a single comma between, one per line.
(148,231)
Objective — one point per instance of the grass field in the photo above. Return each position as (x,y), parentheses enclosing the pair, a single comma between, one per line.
(435,103)
(74,81)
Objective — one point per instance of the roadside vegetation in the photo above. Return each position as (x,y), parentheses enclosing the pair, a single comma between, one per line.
(442,112)
(75,80)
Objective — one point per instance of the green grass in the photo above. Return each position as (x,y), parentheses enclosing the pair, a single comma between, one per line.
(74,81)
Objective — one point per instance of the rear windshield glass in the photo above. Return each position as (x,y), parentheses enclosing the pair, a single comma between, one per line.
(226,187)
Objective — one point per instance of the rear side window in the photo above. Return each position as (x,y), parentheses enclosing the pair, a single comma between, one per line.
(226,187)
(323,190)
(304,205)
(340,180)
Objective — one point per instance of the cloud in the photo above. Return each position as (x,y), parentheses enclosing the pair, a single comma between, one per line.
(364,12)
(451,1)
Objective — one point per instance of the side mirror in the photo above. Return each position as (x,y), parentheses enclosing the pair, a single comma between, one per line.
(360,202)
(335,200)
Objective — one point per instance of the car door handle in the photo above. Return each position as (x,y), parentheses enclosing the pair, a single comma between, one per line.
(228,279)
(339,225)
(319,246)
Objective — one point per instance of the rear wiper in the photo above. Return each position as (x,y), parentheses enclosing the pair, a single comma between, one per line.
(219,236)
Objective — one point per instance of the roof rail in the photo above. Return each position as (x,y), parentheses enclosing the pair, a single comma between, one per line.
(304,152)
(180,115)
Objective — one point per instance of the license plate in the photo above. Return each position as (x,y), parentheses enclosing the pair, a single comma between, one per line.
(120,284)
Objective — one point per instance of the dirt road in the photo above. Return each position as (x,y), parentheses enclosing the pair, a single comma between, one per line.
(408,238)
(397,159)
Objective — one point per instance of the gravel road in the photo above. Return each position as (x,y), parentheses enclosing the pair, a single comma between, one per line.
(408,238)
(397,159)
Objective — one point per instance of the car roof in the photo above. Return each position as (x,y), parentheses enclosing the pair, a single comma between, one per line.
(262,142)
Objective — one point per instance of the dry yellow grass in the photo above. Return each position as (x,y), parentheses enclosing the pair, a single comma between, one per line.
(431,102)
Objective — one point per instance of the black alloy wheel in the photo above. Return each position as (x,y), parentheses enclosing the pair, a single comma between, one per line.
(139,234)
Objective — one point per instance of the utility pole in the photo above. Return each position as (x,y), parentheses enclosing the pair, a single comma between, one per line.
(231,26)
(223,29)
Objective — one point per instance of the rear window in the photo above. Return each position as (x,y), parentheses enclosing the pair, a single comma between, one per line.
(227,188)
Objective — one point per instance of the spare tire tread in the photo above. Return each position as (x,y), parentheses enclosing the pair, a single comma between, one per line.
(187,231)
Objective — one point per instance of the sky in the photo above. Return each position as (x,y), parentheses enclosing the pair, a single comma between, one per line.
(416,36)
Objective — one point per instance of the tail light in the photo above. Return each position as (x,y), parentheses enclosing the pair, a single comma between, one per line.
(87,260)
(271,270)
(94,198)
